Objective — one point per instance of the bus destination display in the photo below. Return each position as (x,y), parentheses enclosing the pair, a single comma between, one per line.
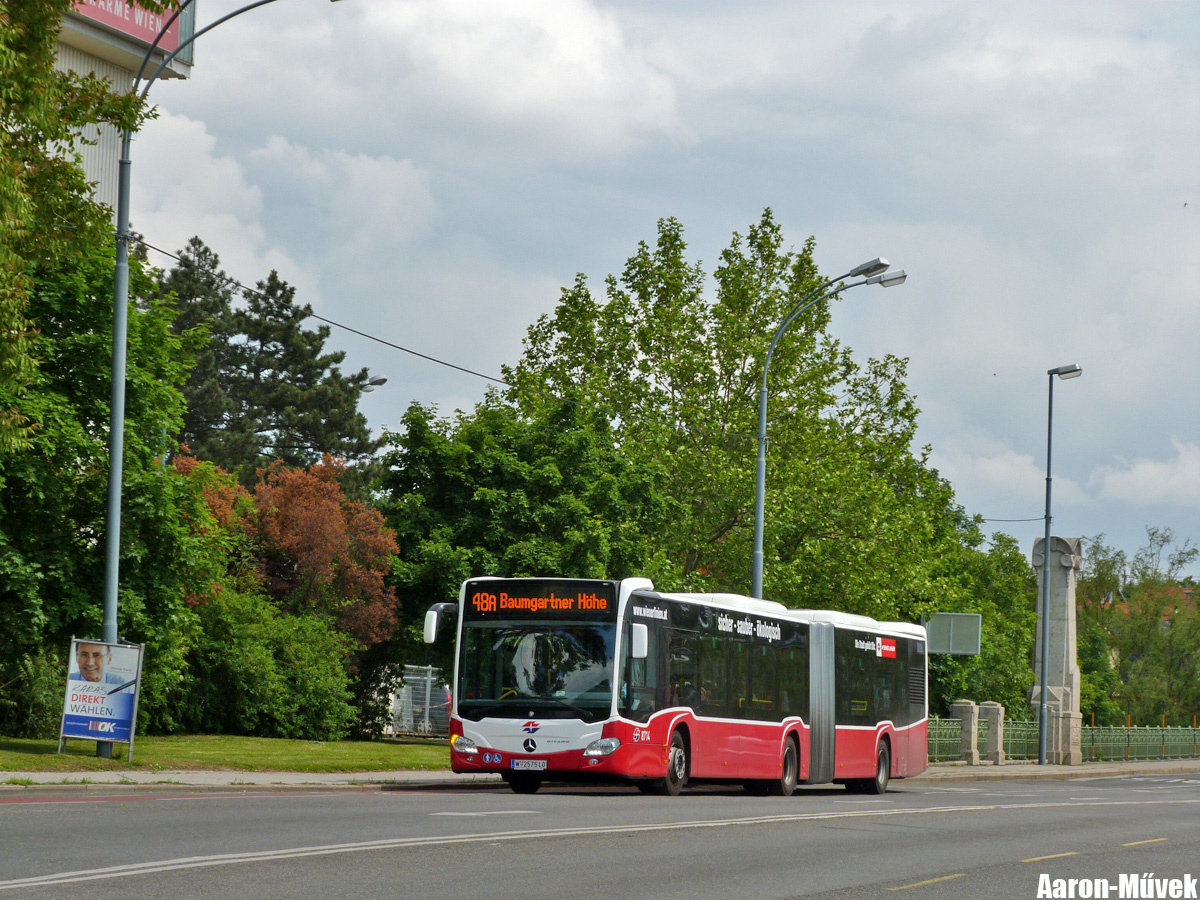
(529,598)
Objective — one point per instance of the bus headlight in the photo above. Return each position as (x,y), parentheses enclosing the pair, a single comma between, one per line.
(603,747)
(464,745)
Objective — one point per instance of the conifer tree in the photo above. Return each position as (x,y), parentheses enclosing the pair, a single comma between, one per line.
(263,387)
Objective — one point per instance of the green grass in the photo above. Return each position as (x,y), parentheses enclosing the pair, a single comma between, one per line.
(243,754)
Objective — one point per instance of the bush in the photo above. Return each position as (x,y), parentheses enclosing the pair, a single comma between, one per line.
(31,701)
(255,671)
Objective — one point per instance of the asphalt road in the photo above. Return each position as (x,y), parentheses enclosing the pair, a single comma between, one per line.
(977,840)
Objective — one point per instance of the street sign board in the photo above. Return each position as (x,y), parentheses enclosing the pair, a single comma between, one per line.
(955,633)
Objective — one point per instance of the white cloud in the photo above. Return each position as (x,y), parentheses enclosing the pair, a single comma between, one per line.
(360,205)
(562,67)
(1147,482)
(440,167)
(182,187)
(1000,483)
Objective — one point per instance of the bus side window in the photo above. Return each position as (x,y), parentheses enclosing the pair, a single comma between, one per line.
(683,676)
(712,678)
(764,688)
(738,699)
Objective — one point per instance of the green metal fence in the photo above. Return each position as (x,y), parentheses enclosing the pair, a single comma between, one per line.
(945,740)
(1020,740)
(1139,742)
(1099,744)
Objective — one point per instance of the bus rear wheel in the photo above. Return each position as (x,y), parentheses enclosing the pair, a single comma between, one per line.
(789,775)
(524,784)
(883,771)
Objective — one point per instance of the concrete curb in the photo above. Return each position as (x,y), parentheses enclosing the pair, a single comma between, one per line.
(109,782)
(239,782)
(1033,772)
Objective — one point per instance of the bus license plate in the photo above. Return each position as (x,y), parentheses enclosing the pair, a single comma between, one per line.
(529,764)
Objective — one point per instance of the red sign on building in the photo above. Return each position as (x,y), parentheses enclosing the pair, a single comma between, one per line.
(130,19)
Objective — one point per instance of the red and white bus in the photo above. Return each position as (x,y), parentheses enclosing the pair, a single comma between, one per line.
(569,679)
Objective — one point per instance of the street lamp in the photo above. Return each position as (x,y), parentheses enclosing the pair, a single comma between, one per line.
(374,382)
(116,426)
(1063,372)
(873,272)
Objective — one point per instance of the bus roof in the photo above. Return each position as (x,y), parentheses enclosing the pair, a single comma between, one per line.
(733,601)
(866,623)
(773,608)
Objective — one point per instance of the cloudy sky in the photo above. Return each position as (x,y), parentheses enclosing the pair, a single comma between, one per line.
(433,171)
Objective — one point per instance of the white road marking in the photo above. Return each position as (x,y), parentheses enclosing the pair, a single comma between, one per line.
(494,812)
(226,859)
(949,790)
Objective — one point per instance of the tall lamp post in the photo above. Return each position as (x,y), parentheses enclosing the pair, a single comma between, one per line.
(116,426)
(1064,372)
(873,272)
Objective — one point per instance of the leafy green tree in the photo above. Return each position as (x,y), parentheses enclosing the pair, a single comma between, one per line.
(998,583)
(1154,639)
(1141,631)
(1099,600)
(501,492)
(53,493)
(46,206)
(854,519)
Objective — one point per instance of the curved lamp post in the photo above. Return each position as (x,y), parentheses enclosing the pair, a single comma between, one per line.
(873,272)
(116,428)
(1063,372)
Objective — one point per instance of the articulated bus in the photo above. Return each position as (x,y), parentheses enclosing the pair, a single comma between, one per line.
(569,679)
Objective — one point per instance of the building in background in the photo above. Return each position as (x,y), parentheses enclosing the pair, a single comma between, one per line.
(110,38)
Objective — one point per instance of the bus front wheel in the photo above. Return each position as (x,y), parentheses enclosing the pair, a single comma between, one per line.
(524,784)
(677,766)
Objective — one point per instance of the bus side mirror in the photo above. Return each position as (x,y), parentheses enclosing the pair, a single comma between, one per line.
(639,644)
(433,619)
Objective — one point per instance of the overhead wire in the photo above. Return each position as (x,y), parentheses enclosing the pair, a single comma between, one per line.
(549,395)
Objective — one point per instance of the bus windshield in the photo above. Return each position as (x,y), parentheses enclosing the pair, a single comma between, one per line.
(552,669)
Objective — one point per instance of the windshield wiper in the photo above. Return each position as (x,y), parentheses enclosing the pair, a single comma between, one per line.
(578,710)
(479,709)
(511,707)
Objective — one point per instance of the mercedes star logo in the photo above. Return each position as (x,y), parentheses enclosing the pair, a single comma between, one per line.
(530,745)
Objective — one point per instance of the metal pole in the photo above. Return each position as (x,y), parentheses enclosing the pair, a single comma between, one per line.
(116,415)
(116,427)
(428,694)
(760,480)
(1042,709)
(760,488)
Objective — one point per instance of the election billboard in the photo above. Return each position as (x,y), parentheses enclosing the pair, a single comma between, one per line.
(103,685)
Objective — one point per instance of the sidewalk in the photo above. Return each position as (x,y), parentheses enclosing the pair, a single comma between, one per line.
(236,780)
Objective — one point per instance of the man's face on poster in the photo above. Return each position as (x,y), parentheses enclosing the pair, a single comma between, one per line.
(92,659)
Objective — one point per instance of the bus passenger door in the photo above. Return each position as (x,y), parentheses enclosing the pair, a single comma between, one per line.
(822,733)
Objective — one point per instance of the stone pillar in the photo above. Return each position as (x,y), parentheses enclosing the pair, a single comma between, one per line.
(967,713)
(1064,722)
(993,713)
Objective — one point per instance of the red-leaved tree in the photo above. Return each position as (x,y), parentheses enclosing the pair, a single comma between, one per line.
(324,552)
